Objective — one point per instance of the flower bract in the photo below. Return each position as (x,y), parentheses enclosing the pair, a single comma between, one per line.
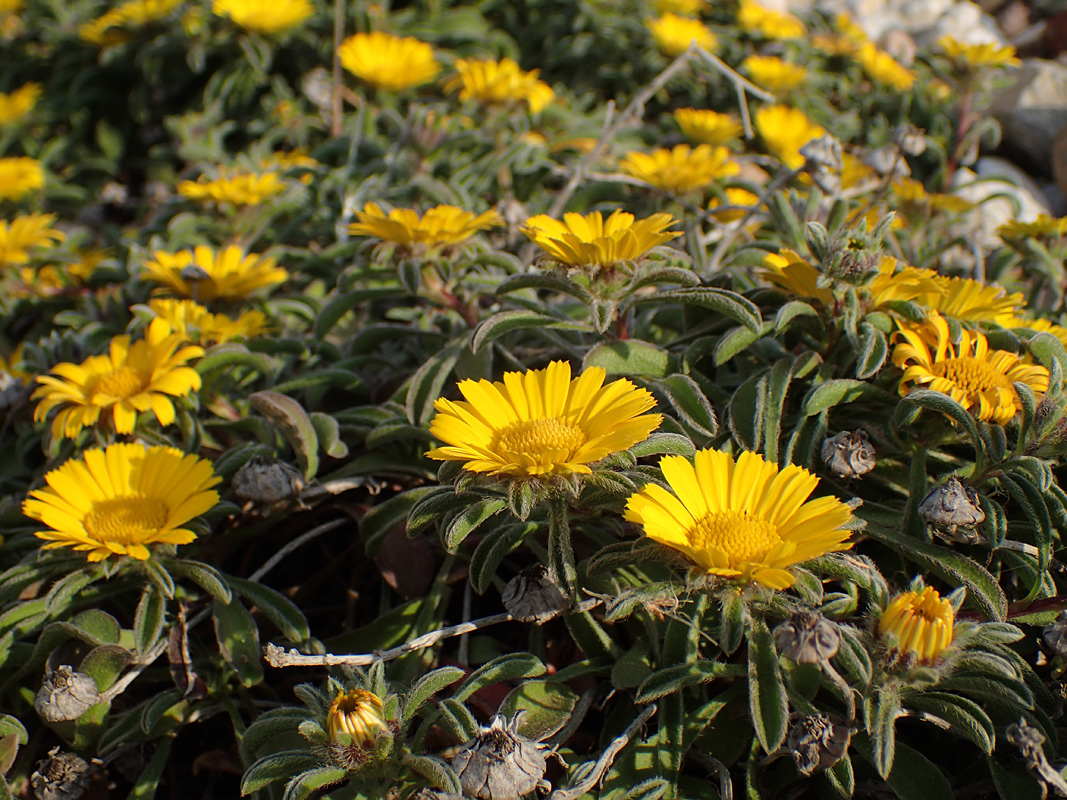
(680,169)
(440,226)
(920,622)
(742,519)
(584,241)
(120,499)
(264,17)
(541,423)
(499,83)
(204,274)
(387,61)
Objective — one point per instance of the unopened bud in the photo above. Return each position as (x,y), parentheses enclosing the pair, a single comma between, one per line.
(952,505)
(61,776)
(356,717)
(807,638)
(848,454)
(817,742)
(498,763)
(532,596)
(65,695)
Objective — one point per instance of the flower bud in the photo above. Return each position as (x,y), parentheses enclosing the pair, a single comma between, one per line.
(498,763)
(817,742)
(61,776)
(532,596)
(65,695)
(356,717)
(952,505)
(848,454)
(807,638)
(920,622)
(265,482)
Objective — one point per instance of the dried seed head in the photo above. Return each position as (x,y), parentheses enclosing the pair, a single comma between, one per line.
(61,776)
(848,454)
(265,482)
(807,638)
(1055,636)
(1029,740)
(823,163)
(952,505)
(909,139)
(498,763)
(817,742)
(887,162)
(65,695)
(532,596)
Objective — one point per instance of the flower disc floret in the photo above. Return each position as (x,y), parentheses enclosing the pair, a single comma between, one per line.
(387,61)
(264,17)
(204,274)
(541,423)
(673,34)
(499,83)
(680,169)
(742,519)
(921,623)
(120,499)
(590,241)
(19,175)
(24,233)
(440,226)
(142,376)
(976,377)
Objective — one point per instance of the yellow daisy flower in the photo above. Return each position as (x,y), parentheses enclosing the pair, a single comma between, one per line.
(755,19)
(19,176)
(499,82)
(440,226)
(681,169)
(673,34)
(774,74)
(237,187)
(918,624)
(388,62)
(205,275)
(745,519)
(973,57)
(1044,225)
(908,284)
(785,130)
(708,127)
(969,300)
(882,67)
(970,373)
(355,717)
(685,8)
(267,18)
(25,232)
(196,324)
(113,27)
(130,378)
(1036,325)
(19,103)
(541,424)
(120,499)
(88,260)
(589,241)
(735,196)
(791,273)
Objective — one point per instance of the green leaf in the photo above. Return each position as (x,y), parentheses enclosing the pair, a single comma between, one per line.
(942,403)
(432,505)
(149,620)
(434,771)
(426,687)
(492,549)
(230,355)
(1015,782)
(268,730)
(105,663)
(238,639)
(672,444)
(693,408)
(328,431)
(561,567)
(914,776)
(306,783)
(276,767)
(291,419)
(148,782)
(203,575)
(776,387)
(506,321)
(391,514)
(468,521)
(1047,348)
(9,750)
(730,304)
(673,679)
(733,622)
(965,716)
(455,718)
(331,313)
(873,351)
(768,703)
(733,342)
(428,382)
(279,609)
(746,411)
(508,667)
(629,357)
(10,725)
(833,393)
(881,712)
(792,310)
(546,280)
(548,706)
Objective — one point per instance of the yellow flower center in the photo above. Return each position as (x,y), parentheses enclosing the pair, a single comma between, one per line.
(741,536)
(123,382)
(125,520)
(970,374)
(535,437)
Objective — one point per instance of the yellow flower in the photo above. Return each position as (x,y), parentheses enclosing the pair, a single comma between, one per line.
(205,275)
(1044,225)
(589,241)
(19,103)
(541,423)
(112,28)
(973,57)
(130,378)
(499,82)
(196,324)
(1036,325)
(88,260)
(673,34)
(734,197)
(10,6)
(707,127)
(854,173)
(969,300)
(239,188)
(355,717)
(22,233)
(920,624)
(790,272)
(19,176)
(686,8)
(120,499)
(908,284)
(754,18)
(7,365)
(440,226)
(264,17)
(976,377)
(745,519)
(774,74)
(681,169)
(388,62)
(785,130)
(883,67)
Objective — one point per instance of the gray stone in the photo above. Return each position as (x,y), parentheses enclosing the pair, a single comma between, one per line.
(965,22)
(980,225)
(1033,110)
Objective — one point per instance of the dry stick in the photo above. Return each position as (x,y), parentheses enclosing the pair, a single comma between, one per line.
(279,657)
(276,559)
(605,759)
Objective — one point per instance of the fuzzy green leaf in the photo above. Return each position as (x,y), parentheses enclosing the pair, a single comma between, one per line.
(468,521)
(295,425)
(426,687)
(507,321)
(509,667)
(629,357)
(768,703)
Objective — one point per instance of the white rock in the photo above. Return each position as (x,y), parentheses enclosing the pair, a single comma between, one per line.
(965,22)
(1033,110)
(876,17)
(996,176)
